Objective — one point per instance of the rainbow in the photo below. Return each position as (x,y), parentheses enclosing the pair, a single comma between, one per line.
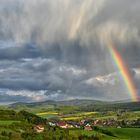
(119,62)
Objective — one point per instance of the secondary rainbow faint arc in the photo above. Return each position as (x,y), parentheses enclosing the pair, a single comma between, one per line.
(124,71)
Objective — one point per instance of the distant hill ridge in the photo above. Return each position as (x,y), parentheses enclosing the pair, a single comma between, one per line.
(83,105)
(64,102)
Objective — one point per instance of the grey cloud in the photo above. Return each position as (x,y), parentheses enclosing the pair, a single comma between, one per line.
(59,45)
(22,95)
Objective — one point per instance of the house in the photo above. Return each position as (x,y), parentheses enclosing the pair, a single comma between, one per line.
(62,124)
(87,124)
(77,125)
(52,124)
(69,126)
(39,128)
(82,122)
(87,127)
(95,122)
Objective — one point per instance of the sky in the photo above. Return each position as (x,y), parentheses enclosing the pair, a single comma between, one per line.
(57,49)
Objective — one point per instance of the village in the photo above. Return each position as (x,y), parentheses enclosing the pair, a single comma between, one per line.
(89,125)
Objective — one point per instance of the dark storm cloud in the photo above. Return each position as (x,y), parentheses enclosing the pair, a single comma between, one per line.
(9,98)
(21,95)
(19,52)
(61,46)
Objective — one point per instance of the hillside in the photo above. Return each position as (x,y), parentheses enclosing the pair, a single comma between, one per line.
(78,105)
(22,126)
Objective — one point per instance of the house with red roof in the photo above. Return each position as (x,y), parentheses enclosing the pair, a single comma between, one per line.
(39,128)
(64,125)
(87,127)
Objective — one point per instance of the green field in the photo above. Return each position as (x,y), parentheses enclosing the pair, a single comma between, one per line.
(65,116)
(86,133)
(88,115)
(119,133)
(8,122)
(124,134)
